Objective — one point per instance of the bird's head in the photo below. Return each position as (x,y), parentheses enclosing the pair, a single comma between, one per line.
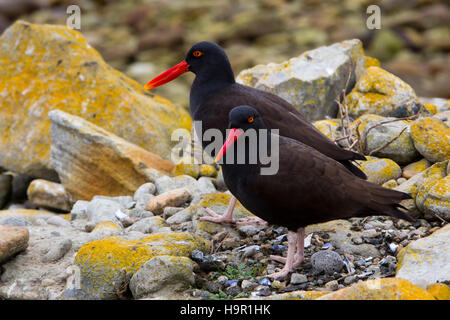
(203,57)
(240,119)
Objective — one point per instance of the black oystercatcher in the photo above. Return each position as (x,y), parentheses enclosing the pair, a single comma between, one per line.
(214,93)
(308,188)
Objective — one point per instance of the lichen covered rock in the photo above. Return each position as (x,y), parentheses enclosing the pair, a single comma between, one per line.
(380,170)
(106,264)
(427,260)
(433,198)
(415,168)
(380,289)
(382,93)
(328,128)
(431,138)
(48,67)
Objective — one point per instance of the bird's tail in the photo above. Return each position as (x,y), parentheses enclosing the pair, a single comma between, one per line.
(385,201)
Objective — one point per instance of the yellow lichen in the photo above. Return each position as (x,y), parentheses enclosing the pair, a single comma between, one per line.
(431,138)
(440,291)
(75,79)
(380,289)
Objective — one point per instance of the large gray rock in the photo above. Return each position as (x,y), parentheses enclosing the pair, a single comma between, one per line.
(427,260)
(311,81)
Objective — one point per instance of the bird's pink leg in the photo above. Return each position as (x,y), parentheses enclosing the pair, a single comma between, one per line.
(228,216)
(299,255)
(289,265)
(217,218)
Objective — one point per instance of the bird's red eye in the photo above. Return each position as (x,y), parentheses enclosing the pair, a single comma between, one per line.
(197,53)
(251,119)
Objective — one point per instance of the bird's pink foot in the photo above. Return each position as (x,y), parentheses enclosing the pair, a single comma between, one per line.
(255,220)
(297,259)
(280,274)
(217,218)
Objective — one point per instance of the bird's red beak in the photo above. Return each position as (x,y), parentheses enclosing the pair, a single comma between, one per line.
(232,138)
(168,75)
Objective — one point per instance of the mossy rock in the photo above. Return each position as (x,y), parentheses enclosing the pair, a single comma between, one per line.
(107,264)
(431,138)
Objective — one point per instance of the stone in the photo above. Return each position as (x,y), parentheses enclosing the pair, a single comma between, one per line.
(58,221)
(195,187)
(172,198)
(143,194)
(207,170)
(382,93)
(297,278)
(79,210)
(431,138)
(49,194)
(14,221)
(378,134)
(310,81)
(427,260)
(415,168)
(340,233)
(380,289)
(187,166)
(433,198)
(58,250)
(162,275)
(380,171)
(326,261)
(103,263)
(92,161)
(13,240)
(31,216)
(149,225)
(41,58)
(5,189)
(99,210)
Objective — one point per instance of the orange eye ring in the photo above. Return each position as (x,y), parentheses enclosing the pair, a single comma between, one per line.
(197,53)
(251,119)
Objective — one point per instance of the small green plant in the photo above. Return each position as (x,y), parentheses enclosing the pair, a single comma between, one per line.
(243,271)
(223,296)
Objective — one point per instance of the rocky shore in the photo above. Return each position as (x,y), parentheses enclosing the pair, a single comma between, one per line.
(93,207)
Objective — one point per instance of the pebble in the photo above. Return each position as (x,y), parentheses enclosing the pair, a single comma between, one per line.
(326,261)
(297,278)
(265,282)
(332,285)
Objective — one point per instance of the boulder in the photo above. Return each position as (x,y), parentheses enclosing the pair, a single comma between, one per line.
(47,67)
(92,161)
(106,265)
(311,81)
(433,198)
(427,260)
(382,93)
(431,138)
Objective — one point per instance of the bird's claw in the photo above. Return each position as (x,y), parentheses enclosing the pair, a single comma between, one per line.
(216,218)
